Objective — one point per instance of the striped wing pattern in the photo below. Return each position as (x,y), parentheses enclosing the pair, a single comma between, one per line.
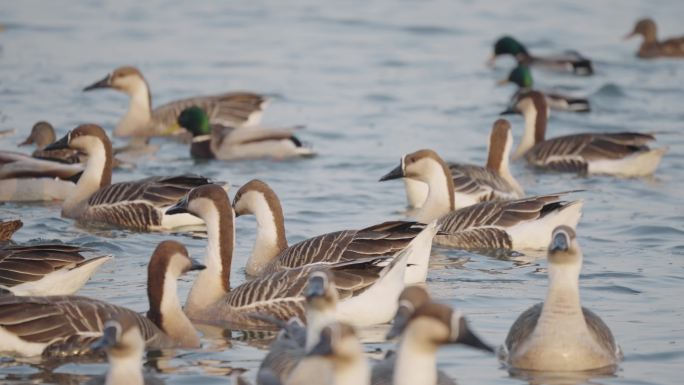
(475,180)
(20,264)
(483,226)
(68,323)
(227,109)
(137,204)
(574,152)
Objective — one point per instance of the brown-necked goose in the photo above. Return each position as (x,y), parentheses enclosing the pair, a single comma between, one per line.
(138,205)
(559,334)
(216,141)
(651,47)
(474,184)
(123,341)
(25,178)
(571,61)
(363,285)
(517,224)
(65,325)
(141,120)
(622,154)
(428,327)
(271,252)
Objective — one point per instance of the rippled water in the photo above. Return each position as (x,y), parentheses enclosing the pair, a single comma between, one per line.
(371,81)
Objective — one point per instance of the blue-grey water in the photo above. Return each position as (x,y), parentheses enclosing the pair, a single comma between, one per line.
(371,81)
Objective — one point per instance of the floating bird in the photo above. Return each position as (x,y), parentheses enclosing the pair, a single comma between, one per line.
(522,77)
(571,61)
(271,252)
(622,154)
(518,224)
(137,205)
(141,120)
(43,134)
(215,141)
(66,325)
(474,184)
(125,347)
(363,285)
(651,47)
(25,178)
(559,334)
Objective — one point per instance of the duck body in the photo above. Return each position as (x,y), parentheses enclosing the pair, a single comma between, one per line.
(568,61)
(651,47)
(214,141)
(24,178)
(241,108)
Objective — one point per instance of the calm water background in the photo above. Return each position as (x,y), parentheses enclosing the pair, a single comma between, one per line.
(371,81)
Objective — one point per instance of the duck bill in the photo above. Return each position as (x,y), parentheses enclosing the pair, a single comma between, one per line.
(60,144)
(502,82)
(629,36)
(181,207)
(467,337)
(397,173)
(104,83)
(107,340)
(399,323)
(26,142)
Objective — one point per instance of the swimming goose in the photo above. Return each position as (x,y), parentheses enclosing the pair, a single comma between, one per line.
(651,47)
(362,284)
(290,348)
(65,325)
(474,184)
(571,61)
(122,340)
(337,359)
(559,334)
(141,120)
(45,268)
(271,252)
(522,77)
(429,326)
(517,224)
(42,134)
(8,228)
(25,178)
(215,141)
(621,154)
(137,205)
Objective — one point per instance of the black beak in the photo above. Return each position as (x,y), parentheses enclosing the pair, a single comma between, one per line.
(508,111)
(401,319)
(104,83)
(559,242)
(315,288)
(196,265)
(181,207)
(107,340)
(397,173)
(60,144)
(323,347)
(466,337)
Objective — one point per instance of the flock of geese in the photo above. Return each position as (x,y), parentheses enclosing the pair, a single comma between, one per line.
(317,291)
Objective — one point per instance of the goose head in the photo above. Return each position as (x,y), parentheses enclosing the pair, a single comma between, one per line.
(121,337)
(87,138)
(203,202)
(411,298)
(420,165)
(646,28)
(320,291)
(255,196)
(338,341)
(125,79)
(41,135)
(564,248)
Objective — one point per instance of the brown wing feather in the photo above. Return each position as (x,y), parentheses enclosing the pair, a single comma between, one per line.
(19,264)
(227,109)
(476,180)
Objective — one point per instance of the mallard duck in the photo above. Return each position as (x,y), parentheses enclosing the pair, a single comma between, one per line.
(651,47)
(568,61)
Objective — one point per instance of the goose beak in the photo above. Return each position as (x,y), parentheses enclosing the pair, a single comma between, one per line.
(508,111)
(559,243)
(397,173)
(196,265)
(467,337)
(107,340)
(181,207)
(314,289)
(401,319)
(104,83)
(60,144)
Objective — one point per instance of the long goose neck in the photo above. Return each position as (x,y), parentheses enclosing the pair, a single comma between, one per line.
(440,199)
(139,110)
(355,371)
(562,304)
(536,118)
(416,362)
(270,238)
(166,311)
(96,175)
(498,160)
(125,370)
(316,320)
(214,282)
